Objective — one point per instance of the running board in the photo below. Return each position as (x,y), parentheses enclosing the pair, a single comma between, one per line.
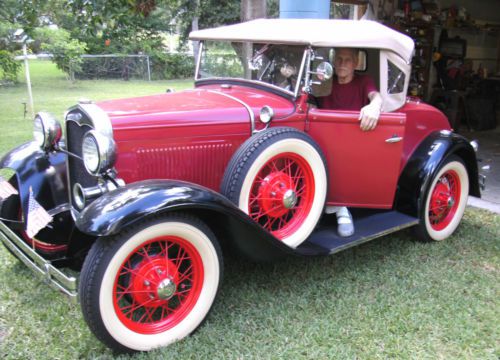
(367,225)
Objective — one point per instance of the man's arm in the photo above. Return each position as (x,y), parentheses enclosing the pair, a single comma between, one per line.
(370,113)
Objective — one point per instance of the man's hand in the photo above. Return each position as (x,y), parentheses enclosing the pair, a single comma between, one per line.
(369,117)
(370,113)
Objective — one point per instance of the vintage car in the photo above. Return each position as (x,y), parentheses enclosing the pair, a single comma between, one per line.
(143,193)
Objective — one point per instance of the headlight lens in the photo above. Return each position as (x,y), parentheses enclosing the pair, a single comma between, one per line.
(46,131)
(98,152)
(90,154)
(38,133)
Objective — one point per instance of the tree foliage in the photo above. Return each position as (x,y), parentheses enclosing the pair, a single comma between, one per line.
(113,26)
(210,13)
(66,51)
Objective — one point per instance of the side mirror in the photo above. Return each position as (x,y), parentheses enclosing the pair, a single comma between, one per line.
(324,71)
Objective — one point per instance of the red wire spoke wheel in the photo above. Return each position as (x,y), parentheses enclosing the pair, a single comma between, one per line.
(151,285)
(279,178)
(282,194)
(444,201)
(158,285)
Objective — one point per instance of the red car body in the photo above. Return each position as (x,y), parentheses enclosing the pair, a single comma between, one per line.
(184,136)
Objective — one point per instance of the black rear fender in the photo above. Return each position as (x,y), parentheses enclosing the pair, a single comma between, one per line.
(425,162)
(121,208)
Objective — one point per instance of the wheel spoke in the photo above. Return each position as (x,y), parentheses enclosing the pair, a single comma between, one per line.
(266,213)
(136,273)
(181,256)
(135,306)
(186,274)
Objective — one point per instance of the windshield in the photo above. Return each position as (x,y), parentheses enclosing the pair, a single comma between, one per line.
(277,65)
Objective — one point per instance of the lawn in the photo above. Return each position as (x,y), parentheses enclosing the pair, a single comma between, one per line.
(390,298)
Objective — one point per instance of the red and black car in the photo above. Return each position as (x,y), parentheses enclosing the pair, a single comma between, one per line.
(144,191)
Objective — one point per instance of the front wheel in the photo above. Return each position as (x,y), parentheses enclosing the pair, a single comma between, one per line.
(444,202)
(279,178)
(152,284)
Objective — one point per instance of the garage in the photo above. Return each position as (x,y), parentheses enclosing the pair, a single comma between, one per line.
(455,67)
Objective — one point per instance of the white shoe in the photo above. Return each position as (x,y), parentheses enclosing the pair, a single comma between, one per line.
(345,226)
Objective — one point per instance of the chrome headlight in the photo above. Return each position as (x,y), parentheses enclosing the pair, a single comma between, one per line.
(98,152)
(46,131)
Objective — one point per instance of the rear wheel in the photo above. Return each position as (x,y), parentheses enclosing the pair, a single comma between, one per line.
(151,285)
(444,202)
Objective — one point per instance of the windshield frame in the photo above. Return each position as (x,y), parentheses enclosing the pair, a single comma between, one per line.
(295,93)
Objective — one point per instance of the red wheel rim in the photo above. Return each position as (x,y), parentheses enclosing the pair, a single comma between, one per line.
(444,201)
(282,194)
(158,285)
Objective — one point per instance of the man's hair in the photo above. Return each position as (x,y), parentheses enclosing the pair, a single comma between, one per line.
(355,51)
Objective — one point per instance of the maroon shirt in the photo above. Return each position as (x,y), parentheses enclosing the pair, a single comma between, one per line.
(350,96)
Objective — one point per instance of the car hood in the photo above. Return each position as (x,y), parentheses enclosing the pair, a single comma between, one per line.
(210,104)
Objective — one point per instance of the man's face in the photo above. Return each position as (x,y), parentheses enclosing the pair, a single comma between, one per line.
(345,62)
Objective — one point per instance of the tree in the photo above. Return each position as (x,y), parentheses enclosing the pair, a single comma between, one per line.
(253,9)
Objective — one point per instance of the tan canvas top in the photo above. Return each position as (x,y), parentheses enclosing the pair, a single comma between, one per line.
(314,32)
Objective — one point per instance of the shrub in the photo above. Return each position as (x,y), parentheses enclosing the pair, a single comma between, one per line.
(172,66)
(9,66)
(66,51)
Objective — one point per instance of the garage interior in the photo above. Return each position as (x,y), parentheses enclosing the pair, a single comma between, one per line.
(456,65)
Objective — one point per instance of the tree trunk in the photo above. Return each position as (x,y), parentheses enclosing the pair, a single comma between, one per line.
(251,9)
(194,27)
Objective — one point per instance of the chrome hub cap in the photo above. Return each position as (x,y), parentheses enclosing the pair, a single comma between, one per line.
(166,289)
(289,199)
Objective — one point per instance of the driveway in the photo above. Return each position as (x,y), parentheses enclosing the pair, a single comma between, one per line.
(489,156)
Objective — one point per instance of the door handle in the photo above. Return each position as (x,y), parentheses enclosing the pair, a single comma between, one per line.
(394,139)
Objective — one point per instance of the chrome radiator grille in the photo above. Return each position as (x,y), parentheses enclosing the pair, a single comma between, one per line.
(75,131)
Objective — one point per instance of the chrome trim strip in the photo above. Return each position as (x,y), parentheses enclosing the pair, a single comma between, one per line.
(307,78)
(41,267)
(301,72)
(250,112)
(59,209)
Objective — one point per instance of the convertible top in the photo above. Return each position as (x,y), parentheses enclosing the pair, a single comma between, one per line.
(314,32)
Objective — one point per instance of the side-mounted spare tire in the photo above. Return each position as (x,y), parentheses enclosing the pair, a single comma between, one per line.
(279,178)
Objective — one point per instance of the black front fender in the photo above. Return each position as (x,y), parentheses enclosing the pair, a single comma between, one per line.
(121,208)
(425,162)
(44,173)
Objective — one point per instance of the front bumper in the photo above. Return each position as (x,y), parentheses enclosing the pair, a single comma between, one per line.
(43,268)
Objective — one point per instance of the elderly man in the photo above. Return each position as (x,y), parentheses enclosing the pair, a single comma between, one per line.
(351,91)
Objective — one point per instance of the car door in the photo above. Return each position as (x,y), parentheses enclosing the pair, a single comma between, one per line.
(363,166)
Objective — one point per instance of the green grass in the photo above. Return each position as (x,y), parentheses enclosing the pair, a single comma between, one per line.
(390,298)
